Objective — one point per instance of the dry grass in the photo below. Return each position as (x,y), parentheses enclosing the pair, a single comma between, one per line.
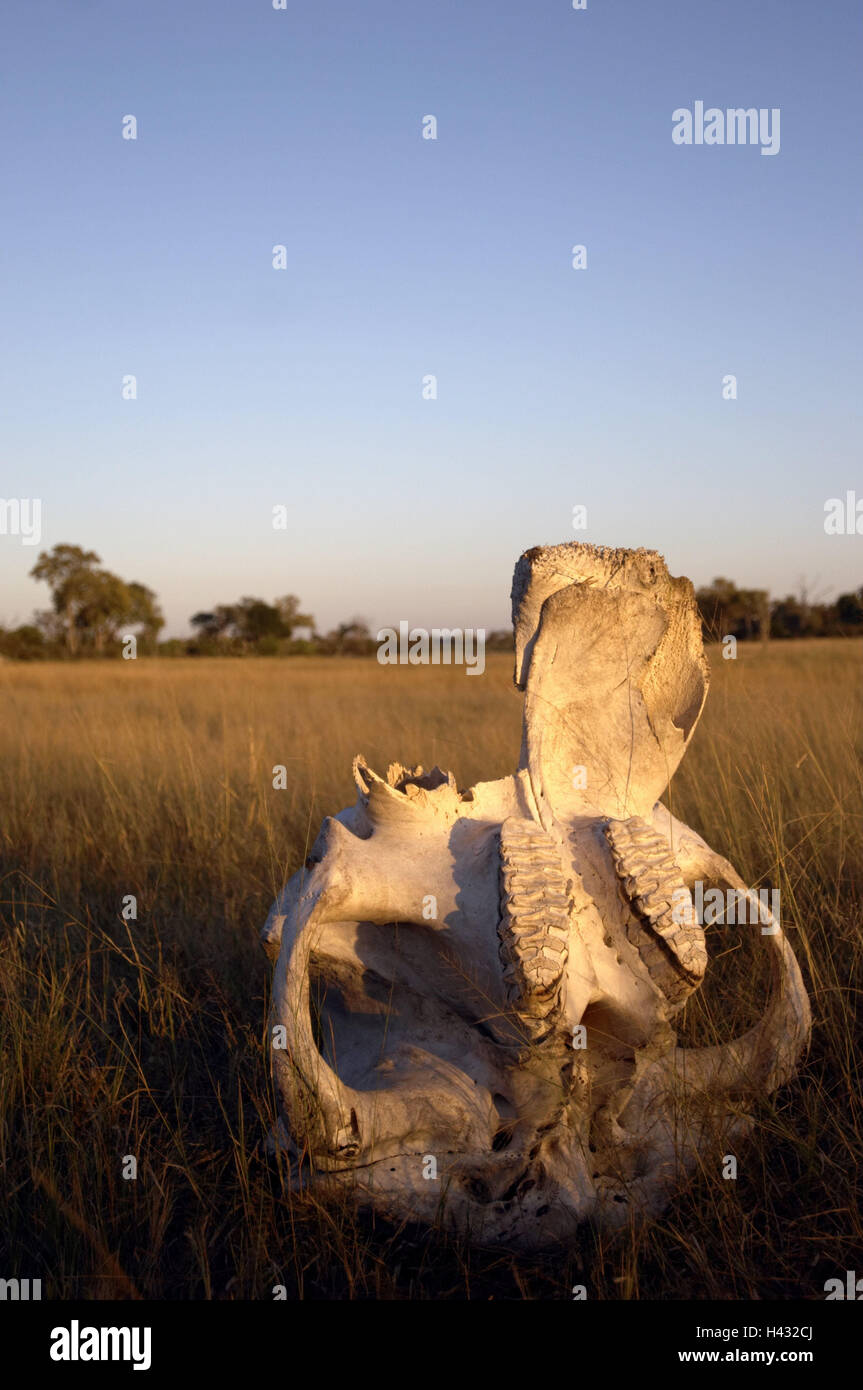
(147,1038)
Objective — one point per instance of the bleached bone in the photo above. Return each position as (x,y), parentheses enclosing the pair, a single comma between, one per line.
(443,956)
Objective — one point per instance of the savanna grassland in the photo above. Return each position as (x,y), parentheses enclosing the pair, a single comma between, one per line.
(154,779)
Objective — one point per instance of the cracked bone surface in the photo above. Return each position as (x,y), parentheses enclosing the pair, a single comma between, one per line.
(473,991)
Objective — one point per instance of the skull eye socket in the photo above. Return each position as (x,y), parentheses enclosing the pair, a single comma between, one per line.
(349,1033)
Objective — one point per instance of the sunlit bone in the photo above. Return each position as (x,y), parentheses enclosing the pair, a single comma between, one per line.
(473,991)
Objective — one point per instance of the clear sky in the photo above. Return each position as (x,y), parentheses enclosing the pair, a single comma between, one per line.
(407,257)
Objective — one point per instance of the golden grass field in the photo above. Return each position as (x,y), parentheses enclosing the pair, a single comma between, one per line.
(154,778)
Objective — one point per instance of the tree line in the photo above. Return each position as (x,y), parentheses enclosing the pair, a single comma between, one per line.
(93,611)
(746,614)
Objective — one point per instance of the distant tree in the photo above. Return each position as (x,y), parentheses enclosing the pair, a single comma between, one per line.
(788,618)
(104,608)
(254,619)
(25,643)
(800,616)
(51,625)
(66,570)
(215,625)
(250,624)
(849,609)
(349,639)
(91,606)
(727,611)
(289,611)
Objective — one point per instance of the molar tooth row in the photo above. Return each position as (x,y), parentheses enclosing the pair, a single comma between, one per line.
(534,923)
(673,950)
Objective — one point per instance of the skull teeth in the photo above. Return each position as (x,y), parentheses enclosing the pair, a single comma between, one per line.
(665,929)
(534,924)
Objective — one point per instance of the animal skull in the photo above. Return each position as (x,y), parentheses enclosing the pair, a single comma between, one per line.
(436,956)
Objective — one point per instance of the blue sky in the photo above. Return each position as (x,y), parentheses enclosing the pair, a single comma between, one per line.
(556,387)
